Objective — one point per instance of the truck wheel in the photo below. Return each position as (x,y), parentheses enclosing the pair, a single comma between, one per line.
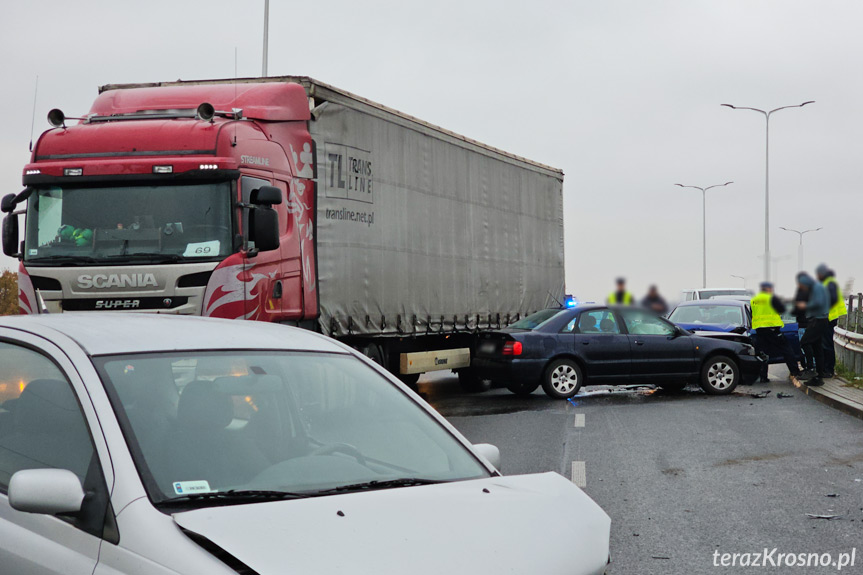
(471,382)
(562,379)
(719,375)
(409,379)
(523,388)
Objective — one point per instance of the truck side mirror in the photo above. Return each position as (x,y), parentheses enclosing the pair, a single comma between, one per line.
(7,204)
(266,196)
(263,228)
(10,235)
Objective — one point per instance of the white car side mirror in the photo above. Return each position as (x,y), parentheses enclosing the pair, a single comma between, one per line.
(488,452)
(46,491)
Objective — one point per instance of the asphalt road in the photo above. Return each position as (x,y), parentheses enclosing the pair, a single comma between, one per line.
(686,475)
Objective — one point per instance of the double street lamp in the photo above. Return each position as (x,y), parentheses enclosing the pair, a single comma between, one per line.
(767,176)
(800,245)
(704,227)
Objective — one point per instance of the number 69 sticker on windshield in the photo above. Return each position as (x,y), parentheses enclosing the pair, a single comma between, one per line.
(202,249)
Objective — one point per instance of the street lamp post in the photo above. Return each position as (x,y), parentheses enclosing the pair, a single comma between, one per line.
(767,176)
(740,278)
(800,245)
(704,227)
(266,37)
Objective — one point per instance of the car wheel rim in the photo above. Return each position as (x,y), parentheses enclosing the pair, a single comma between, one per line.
(564,379)
(720,375)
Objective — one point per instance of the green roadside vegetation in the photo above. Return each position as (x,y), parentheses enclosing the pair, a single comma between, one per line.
(852,379)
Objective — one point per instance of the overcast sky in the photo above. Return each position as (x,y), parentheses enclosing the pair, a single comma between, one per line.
(624,96)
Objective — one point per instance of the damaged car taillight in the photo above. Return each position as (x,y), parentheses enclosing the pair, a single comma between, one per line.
(512,348)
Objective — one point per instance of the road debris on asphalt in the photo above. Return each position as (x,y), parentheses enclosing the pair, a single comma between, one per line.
(759,395)
(782,395)
(827,517)
(641,389)
(831,495)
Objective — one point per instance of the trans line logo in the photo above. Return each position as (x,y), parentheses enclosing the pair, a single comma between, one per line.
(349,173)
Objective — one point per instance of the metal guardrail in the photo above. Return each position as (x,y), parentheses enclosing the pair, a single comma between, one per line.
(848,340)
(854,320)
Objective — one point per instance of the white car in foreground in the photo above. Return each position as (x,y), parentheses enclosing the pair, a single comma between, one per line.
(173,445)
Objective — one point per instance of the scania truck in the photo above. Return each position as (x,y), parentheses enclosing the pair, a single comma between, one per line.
(284,199)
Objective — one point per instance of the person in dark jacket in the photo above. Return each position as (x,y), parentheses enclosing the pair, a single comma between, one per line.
(654,301)
(801,295)
(817,309)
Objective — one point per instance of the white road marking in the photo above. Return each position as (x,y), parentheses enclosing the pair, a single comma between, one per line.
(579,474)
(579,420)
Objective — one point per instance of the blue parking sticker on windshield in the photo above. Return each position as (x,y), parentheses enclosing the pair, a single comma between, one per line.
(190,487)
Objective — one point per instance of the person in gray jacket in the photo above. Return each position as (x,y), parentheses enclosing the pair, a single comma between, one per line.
(816,308)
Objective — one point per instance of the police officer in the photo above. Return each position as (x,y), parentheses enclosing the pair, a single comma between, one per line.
(827,277)
(620,296)
(766,320)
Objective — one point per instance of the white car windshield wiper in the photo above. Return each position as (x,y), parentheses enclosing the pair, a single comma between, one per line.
(231,497)
(386,484)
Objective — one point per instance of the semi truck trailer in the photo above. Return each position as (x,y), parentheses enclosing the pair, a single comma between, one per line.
(284,199)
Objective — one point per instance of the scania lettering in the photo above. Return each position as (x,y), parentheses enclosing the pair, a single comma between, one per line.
(105,281)
(287,200)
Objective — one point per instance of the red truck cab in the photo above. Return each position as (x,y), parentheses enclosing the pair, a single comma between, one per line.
(153,202)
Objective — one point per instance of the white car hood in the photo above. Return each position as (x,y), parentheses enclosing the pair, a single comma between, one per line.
(525,524)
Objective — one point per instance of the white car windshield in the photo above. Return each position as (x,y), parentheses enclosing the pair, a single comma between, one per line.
(204,424)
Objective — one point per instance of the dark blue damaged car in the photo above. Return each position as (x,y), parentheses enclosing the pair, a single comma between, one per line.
(590,344)
(731,319)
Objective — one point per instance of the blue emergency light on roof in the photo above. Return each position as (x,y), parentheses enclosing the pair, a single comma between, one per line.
(570,301)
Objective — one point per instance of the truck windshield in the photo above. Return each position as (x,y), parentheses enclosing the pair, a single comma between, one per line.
(117,224)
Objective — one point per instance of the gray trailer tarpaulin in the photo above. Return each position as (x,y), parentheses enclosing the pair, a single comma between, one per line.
(420,230)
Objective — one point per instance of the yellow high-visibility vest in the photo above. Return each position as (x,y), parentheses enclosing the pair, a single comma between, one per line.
(763,314)
(838,309)
(627,298)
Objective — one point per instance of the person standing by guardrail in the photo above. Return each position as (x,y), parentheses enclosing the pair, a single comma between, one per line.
(827,277)
(800,315)
(817,308)
(767,310)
